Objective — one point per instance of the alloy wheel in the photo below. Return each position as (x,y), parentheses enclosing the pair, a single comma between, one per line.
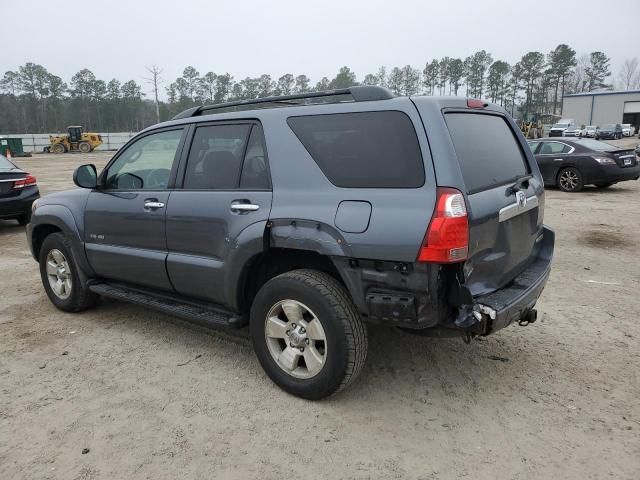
(59,274)
(569,180)
(295,339)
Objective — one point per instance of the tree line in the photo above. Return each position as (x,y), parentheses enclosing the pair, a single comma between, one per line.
(34,100)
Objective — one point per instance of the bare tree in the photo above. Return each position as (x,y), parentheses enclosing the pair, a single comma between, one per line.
(628,78)
(155,80)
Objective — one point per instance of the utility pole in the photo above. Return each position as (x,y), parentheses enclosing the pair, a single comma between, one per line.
(154,80)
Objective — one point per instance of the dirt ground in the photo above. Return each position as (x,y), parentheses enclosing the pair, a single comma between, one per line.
(154,398)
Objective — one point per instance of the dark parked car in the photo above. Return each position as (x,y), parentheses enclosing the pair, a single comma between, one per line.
(572,164)
(18,190)
(305,221)
(610,131)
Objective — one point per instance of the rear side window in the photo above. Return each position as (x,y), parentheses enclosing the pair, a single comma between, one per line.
(255,174)
(364,149)
(487,150)
(554,148)
(215,158)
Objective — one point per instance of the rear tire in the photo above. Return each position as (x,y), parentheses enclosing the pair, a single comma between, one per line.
(570,180)
(294,357)
(60,275)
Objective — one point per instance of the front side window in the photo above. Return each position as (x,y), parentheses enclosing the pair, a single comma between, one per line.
(146,163)
(215,158)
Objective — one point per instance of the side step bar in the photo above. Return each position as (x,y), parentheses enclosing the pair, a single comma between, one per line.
(194,311)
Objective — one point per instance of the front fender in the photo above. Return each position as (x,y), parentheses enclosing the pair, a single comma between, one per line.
(62,218)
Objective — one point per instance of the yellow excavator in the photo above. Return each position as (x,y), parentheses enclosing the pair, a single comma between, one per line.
(75,140)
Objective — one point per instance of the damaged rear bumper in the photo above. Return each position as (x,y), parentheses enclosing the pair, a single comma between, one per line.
(515,302)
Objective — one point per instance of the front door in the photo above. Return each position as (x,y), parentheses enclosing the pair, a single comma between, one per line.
(125,231)
(225,198)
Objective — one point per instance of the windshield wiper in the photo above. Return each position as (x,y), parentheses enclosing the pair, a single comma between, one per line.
(521,181)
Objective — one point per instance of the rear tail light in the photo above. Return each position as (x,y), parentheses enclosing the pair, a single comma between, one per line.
(605,160)
(27,181)
(447,238)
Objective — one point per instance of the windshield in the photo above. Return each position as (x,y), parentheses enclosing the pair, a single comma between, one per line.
(6,164)
(560,125)
(597,145)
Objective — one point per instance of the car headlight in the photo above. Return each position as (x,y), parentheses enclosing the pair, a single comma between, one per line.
(605,160)
(34,205)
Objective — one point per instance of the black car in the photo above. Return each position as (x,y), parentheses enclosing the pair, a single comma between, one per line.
(18,190)
(610,131)
(572,164)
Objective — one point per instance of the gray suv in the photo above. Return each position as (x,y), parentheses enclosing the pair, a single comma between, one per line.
(306,216)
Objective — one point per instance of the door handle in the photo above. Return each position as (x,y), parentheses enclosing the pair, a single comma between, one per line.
(244,207)
(153,205)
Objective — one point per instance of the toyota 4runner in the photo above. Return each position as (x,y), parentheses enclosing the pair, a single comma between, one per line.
(306,216)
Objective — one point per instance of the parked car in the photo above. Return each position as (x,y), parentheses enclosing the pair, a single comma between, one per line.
(572,164)
(305,221)
(638,150)
(573,131)
(590,131)
(18,190)
(558,129)
(628,130)
(610,131)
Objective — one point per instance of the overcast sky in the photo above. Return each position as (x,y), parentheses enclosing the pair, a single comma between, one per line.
(250,37)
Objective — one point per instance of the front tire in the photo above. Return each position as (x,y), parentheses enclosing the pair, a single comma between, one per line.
(570,180)
(308,334)
(24,219)
(60,275)
(58,148)
(84,147)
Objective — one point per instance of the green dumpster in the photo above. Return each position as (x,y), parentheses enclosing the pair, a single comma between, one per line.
(14,145)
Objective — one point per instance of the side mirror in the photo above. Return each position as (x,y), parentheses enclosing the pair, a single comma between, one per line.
(85,176)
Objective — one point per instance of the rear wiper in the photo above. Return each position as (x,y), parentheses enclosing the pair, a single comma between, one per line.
(521,182)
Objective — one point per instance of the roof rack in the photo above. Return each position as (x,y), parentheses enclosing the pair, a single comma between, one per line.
(363,93)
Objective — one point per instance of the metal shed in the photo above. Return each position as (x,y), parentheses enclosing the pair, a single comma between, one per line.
(599,108)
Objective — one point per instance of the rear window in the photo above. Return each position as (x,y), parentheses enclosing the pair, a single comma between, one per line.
(363,149)
(597,145)
(5,164)
(487,150)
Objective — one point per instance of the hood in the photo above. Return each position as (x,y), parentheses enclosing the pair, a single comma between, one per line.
(66,197)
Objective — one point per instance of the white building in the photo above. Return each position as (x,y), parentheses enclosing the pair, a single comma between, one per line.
(599,108)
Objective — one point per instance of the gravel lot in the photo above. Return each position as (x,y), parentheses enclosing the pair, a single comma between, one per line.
(154,398)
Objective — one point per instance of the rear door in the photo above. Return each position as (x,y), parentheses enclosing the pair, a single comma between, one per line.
(225,189)
(505,219)
(551,157)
